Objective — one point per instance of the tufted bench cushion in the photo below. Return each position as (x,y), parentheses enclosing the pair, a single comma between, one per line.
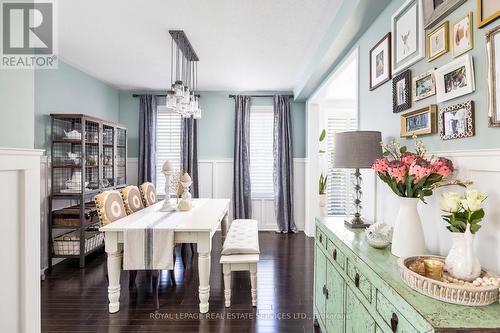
(242,238)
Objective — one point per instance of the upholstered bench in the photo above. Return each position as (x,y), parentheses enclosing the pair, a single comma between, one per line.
(240,252)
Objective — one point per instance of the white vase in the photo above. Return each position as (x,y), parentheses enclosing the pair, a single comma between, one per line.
(461,262)
(322,200)
(408,236)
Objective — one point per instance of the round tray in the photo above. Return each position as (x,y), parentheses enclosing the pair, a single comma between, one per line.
(445,291)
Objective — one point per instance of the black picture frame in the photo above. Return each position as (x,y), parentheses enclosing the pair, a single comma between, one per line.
(405,96)
(387,40)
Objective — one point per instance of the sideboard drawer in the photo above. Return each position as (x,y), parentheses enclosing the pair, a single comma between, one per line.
(360,281)
(321,239)
(336,254)
(393,318)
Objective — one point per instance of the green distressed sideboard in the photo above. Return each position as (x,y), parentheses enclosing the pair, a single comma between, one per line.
(358,289)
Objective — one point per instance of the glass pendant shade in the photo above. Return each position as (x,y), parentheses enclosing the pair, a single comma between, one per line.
(179,89)
(171,100)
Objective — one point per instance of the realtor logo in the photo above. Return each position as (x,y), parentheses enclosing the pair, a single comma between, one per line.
(28,35)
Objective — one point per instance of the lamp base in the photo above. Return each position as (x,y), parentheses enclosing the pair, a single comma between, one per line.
(357,223)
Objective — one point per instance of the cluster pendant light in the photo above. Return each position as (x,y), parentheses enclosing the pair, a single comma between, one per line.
(181,97)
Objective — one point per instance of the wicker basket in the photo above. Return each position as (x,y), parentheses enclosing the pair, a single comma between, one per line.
(70,216)
(444,291)
(69,243)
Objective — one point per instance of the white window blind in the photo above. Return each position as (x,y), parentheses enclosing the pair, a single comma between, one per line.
(168,143)
(340,188)
(261,151)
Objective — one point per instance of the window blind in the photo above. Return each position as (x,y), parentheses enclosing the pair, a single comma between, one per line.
(168,143)
(261,151)
(340,188)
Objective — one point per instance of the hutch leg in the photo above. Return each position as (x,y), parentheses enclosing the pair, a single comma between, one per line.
(253,282)
(82,232)
(226,269)
(131,278)
(156,303)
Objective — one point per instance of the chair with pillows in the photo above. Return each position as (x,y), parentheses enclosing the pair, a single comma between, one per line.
(148,193)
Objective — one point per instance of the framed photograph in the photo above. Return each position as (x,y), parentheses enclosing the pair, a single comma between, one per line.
(435,10)
(461,39)
(455,79)
(401,96)
(424,85)
(437,42)
(380,62)
(493,48)
(457,121)
(418,122)
(407,28)
(487,12)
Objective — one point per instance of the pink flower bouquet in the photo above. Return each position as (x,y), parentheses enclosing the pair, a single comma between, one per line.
(412,175)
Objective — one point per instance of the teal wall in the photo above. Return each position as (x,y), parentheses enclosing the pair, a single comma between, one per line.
(17,108)
(215,137)
(69,90)
(375,107)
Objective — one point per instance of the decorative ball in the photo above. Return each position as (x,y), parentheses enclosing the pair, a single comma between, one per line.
(167,166)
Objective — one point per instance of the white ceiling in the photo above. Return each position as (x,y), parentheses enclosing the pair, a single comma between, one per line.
(243,45)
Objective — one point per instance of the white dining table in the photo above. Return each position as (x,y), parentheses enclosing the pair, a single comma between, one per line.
(195,226)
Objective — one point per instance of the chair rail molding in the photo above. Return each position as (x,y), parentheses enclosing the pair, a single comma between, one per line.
(216,181)
(483,168)
(20,238)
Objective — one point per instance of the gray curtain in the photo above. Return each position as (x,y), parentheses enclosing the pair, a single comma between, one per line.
(147,139)
(242,203)
(189,157)
(283,165)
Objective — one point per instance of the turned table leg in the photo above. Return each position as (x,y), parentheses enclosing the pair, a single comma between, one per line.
(114,269)
(204,247)
(226,269)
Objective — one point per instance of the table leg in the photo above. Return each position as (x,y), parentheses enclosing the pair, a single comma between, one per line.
(114,269)
(204,248)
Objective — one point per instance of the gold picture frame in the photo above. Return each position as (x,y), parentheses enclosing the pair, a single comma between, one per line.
(493,82)
(482,21)
(457,121)
(421,88)
(458,50)
(419,122)
(446,44)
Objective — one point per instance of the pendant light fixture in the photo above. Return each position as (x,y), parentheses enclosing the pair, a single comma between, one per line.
(181,97)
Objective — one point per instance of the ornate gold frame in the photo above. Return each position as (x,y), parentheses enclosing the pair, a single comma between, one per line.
(482,22)
(445,25)
(471,128)
(431,109)
(493,118)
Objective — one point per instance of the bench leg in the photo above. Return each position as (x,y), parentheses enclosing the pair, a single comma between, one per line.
(226,269)
(253,282)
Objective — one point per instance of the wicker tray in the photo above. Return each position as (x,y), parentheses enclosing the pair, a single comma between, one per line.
(445,291)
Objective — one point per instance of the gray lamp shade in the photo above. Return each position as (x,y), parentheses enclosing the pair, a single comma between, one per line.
(356,149)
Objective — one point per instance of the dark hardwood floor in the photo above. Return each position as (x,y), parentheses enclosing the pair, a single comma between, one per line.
(75,300)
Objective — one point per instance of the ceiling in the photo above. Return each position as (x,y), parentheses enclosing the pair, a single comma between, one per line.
(243,45)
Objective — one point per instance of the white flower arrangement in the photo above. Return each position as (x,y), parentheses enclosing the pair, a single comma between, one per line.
(463,210)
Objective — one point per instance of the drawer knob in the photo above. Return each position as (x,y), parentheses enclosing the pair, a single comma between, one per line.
(321,238)
(356,280)
(334,254)
(394,322)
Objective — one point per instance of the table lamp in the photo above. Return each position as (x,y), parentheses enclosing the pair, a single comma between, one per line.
(356,150)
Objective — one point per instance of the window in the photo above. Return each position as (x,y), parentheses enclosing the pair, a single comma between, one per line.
(340,188)
(168,143)
(261,151)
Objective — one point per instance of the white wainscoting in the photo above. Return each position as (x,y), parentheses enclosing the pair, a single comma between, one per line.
(216,181)
(20,239)
(483,168)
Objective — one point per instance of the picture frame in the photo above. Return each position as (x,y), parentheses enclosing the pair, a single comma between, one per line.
(407,29)
(487,12)
(455,79)
(437,42)
(435,10)
(462,35)
(424,85)
(401,92)
(493,50)
(380,62)
(419,122)
(457,121)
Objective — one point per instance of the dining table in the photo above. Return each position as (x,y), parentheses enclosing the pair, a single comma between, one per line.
(197,225)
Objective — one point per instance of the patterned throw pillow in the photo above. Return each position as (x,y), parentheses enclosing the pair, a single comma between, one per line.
(132,199)
(148,193)
(110,206)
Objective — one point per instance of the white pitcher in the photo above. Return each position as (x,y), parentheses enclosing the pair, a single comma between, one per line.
(461,262)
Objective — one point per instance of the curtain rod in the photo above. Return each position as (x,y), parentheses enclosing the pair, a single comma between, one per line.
(164,95)
(233,96)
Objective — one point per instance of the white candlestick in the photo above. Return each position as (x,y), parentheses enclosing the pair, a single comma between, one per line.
(167,204)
